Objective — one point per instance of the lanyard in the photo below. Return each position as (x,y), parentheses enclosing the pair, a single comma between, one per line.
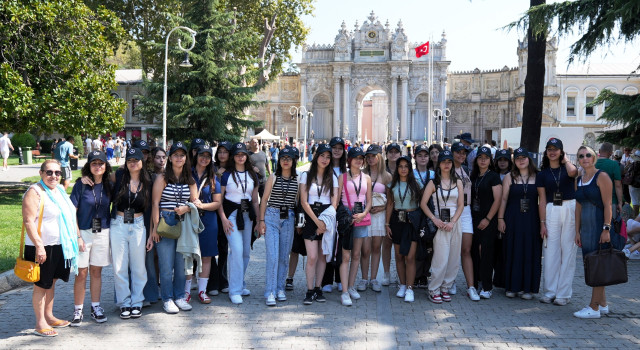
(135,195)
(424,181)
(357,189)
(244,185)
(97,204)
(448,192)
(463,176)
(525,185)
(558,179)
(477,184)
(373,184)
(402,197)
(319,188)
(282,191)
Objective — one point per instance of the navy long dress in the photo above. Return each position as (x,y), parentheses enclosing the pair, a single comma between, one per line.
(522,244)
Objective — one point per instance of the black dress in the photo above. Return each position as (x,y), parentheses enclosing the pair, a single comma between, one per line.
(522,243)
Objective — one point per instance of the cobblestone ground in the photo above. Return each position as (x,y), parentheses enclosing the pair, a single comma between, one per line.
(376,321)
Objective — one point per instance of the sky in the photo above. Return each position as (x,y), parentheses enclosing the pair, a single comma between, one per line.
(474,37)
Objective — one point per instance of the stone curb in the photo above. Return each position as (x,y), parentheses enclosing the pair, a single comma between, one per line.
(9,281)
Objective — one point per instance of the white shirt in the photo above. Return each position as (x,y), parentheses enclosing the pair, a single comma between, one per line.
(97,144)
(324,197)
(4,143)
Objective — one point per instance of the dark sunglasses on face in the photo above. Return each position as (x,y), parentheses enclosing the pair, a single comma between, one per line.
(50,173)
(588,155)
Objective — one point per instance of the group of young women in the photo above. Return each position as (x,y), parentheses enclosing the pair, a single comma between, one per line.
(346,212)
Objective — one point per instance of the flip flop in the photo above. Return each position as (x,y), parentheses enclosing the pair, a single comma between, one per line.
(60,324)
(45,332)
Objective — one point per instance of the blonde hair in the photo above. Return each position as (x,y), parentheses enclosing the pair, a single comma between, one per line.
(589,149)
(49,161)
(383,174)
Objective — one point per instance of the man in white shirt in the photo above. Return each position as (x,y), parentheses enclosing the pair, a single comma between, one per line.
(5,149)
(87,145)
(97,144)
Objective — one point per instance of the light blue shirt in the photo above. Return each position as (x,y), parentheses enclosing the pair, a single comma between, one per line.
(62,153)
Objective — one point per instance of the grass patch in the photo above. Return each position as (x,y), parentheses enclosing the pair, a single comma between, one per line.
(10,225)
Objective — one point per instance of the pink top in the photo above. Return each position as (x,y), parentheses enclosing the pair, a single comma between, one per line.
(351,190)
(380,188)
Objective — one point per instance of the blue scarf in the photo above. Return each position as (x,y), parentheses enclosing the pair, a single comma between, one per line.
(67,227)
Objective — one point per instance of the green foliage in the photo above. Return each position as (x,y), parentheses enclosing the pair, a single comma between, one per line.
(623,111)
(53,70)
(11,209)
(23,140)
(127,56)
(207,100)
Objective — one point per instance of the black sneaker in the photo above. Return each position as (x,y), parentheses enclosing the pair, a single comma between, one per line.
(77,318)
(136,312)
(288,284)
(125,313)
(318,296)
(97,313)
(308,299)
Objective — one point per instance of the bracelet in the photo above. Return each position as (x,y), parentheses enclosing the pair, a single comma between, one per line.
(487,218)
(542,221)
(500,218)
(386,224)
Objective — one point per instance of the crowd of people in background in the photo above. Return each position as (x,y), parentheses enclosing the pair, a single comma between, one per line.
(167,220)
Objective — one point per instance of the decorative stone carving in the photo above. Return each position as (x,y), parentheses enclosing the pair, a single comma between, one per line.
(400,45)
(342,47)
(461,90)
(492,88)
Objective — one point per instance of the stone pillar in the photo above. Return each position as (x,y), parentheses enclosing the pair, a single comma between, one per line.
(394,106)
(336,107)
(346,120)
(303,102)
(404,128)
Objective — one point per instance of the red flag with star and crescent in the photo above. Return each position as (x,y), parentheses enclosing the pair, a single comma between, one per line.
(422,50)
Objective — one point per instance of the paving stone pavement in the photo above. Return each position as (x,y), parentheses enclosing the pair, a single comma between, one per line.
(376,321)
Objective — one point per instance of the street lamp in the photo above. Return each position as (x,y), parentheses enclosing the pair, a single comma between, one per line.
(397,130)
(185,63)
(301,112)
(438,115)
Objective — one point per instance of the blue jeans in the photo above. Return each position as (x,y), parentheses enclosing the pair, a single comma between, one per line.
(171,264)
(151,292)
(128,253)
(239,251)
(278,241)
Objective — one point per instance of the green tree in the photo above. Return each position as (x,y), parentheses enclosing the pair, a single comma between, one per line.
(599,24)
(207,100)
(53,75)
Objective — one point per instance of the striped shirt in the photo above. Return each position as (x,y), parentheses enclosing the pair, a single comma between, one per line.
(174,195)
(283,192)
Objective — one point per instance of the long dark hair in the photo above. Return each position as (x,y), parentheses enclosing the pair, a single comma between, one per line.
(217,161)
(416,193)
(209,172)
(106,184)
(327,176)
(430,164)
(452,174)
(184,177)
(248,167)
(153,157)
(509,167)
(476,171)
(532,169)
(342,161)
(145,180)
(545,159)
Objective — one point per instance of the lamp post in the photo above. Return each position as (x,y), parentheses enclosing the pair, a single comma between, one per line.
(443,118)
(301,112)
(397,130)
(184,63)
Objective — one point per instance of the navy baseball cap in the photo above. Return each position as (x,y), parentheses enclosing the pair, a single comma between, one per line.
(323,148)
(520,152)
(444,155)
(394,146)
(555,142)
(374,149)
(135,153)
(336,141)
(205,149)
(503,153)
(141,145)
(226,145)
(484,150)
(177,146)
(459,146)
(287,152)
(421,148)
(197,143)
(97,155)
(295,150)
(407,159)
(239,147)
(355,152)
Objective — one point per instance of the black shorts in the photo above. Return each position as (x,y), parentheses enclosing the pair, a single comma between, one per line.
(66,173)
(53,267)
(309,229)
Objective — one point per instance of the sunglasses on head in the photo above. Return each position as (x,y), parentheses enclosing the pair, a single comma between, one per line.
(50,173)
(588,155)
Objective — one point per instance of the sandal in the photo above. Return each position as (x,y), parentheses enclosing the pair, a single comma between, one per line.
(45,332)
(60,324)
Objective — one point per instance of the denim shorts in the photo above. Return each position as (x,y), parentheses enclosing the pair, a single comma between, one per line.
(360,231)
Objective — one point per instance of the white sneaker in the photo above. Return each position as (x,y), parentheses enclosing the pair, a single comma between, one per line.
(281,296)
(604,310)
(408,296)
(245,292)
(353,293)
(402,290)
(375,286)
(327,288)
(587,312)
(183,305)
(271,300)
(346,300)
(510,294)
(362,286)
(626,252)
(170,307)
(485,294)
(453,290)
(526,296)
(213,292)
(473,294)
(561,301)
(386,280)
(236,299)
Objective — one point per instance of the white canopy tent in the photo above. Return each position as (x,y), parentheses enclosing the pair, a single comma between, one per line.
(265,135)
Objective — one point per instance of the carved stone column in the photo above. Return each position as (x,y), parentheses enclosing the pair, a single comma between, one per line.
(346,120)
(336,107)
(394,106)
(303,102)
(403,108)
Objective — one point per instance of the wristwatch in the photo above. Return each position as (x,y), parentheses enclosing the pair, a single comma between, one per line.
(606,227)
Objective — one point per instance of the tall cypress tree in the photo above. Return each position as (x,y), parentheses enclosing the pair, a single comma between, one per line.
(208,99)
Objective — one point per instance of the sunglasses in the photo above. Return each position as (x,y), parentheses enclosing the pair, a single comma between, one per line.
(588,155)
(50,173)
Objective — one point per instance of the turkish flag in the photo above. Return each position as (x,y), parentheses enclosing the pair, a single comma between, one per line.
(422,50)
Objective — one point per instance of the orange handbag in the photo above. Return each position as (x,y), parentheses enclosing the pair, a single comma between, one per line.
(28,271)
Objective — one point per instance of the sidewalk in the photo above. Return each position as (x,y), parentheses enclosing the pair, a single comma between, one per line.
(376,321)
(16,173)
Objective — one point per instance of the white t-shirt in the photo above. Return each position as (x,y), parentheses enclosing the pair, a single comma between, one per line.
(4,144)
(97,145)
(110,144)
(87,143)
(324,197)
(235,192)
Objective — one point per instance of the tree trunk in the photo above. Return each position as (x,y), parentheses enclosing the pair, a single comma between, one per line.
(533,88)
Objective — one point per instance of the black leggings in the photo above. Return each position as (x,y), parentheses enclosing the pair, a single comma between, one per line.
(482,254)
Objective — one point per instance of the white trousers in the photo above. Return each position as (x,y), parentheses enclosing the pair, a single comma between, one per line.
(559,261)
(446,259)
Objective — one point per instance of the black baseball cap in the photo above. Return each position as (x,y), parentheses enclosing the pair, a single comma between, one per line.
(178,146)
(407,159)
(205,149)
(239,147)
(484,150)
(323,148)
(336,140)
(97,155)
(519,152)
(197,143)
(421,148)
(444,155)
(503,153)
(355,152)
(226,145)
(295,151)
(141,145)
(135,153)
(555,142)
(394,146)
(287,152)
(459,146)
(374,149)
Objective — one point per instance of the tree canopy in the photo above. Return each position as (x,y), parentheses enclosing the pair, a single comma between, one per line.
(53,75)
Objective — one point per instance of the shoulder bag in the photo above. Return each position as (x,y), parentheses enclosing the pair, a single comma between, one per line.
(28,271)
(605,267)
(366,221)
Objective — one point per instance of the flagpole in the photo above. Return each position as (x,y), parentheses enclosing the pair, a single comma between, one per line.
(430,89)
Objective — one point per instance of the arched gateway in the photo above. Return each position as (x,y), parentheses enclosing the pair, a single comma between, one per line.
(334,80)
